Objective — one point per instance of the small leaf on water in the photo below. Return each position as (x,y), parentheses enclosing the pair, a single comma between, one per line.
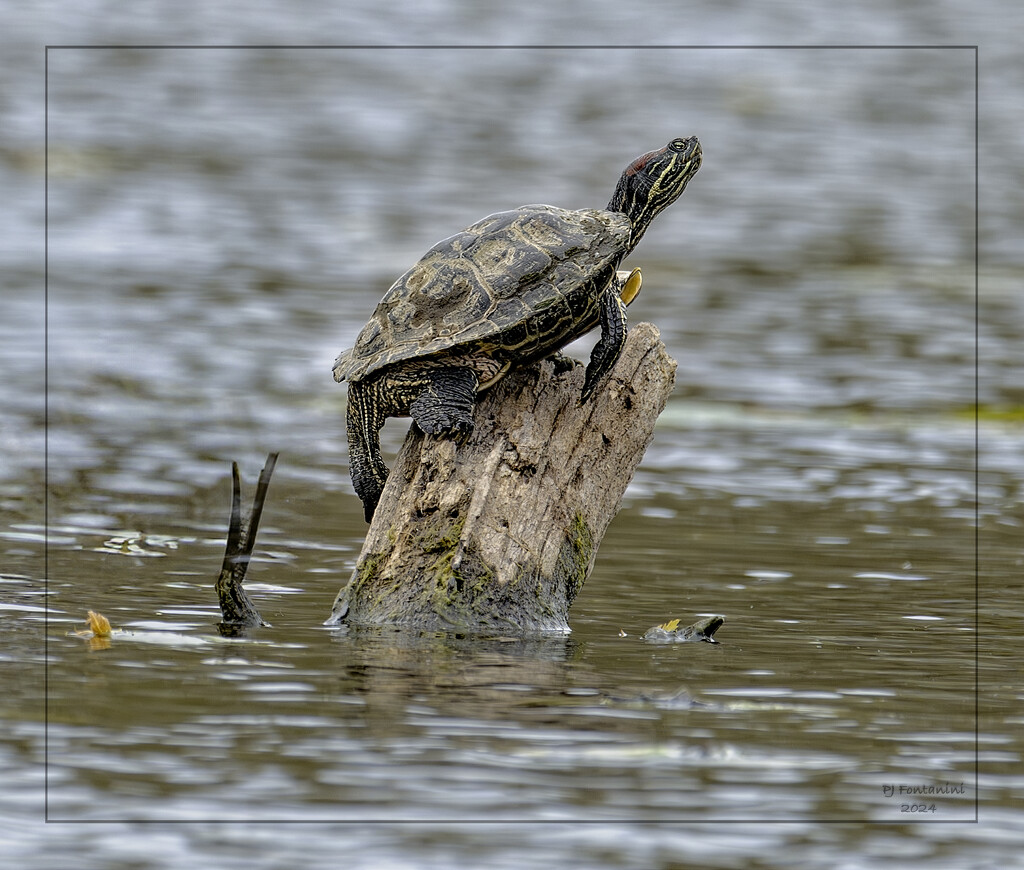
(99,624)
(671,625)
(98,633)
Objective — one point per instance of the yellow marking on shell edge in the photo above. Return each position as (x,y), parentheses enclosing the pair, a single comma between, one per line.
(631,286)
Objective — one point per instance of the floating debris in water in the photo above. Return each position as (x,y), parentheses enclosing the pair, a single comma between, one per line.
(133,543)
(670,632)
(98,633)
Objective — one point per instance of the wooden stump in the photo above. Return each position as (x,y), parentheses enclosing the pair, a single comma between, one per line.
(499,532)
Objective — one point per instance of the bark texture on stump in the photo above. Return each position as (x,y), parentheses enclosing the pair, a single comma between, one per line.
(500,531)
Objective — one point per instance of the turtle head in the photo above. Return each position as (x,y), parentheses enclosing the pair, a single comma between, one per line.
(653,182)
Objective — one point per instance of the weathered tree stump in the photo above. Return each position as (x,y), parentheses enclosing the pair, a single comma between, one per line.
(500,531)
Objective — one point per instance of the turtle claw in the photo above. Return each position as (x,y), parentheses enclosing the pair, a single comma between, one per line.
(563,363)
(463,429)
(458,427)
(590,385)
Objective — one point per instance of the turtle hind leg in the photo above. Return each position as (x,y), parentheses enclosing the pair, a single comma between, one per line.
(439,398)
(367,410)
(446,401)
(608,348)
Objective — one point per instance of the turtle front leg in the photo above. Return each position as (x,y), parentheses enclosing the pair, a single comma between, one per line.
(609,346)
(446,401)
(365,417)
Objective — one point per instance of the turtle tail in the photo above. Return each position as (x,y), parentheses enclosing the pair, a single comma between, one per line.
(365,417)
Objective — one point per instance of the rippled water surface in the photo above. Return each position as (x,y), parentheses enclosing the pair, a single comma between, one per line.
(221,223)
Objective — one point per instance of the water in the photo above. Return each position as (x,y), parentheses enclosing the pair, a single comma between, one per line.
(221,222)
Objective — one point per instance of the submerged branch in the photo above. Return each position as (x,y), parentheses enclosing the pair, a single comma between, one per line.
(236,606)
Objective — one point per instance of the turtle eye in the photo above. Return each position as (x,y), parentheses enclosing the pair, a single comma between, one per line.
(677,145)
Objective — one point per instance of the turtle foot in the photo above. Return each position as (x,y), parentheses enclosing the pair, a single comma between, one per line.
(445,405)
(445,424)
(563,363)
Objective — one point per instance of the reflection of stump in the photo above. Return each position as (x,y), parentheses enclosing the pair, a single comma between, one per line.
(499,532)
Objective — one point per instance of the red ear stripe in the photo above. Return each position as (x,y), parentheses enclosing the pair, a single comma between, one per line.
(641,162)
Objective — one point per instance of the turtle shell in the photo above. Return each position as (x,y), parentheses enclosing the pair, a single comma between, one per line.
(525,281)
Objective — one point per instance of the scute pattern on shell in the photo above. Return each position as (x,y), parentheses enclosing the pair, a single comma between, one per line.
(494,277)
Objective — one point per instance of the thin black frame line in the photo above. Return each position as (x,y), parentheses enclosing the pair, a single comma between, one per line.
(46,433)
(752,820)
(517,46)
(977,530)
(977,447)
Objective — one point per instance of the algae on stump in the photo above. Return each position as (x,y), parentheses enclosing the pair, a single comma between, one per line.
(498,532)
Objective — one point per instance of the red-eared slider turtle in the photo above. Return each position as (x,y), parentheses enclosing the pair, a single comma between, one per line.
(512,288)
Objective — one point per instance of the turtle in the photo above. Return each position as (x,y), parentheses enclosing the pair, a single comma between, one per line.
(512,288)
